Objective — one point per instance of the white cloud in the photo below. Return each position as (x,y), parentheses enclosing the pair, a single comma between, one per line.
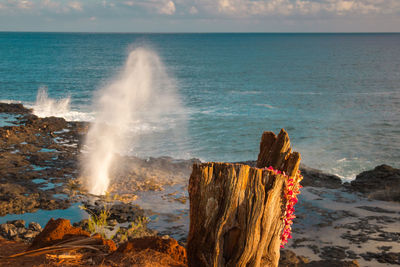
(210,9)
(167,8)
(249,8)
(163,7)
(25,4)
(75,5)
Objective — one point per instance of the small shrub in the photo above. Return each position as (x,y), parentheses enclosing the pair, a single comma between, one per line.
(97,224)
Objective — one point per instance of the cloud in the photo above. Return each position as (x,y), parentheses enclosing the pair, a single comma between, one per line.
(162,7)
(250,10)
(167,8)
(39,7)
(25,4)
(75,5)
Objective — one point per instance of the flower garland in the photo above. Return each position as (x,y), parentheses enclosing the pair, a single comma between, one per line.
(291,190)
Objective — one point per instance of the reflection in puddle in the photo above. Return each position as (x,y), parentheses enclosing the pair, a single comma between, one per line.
(168,214)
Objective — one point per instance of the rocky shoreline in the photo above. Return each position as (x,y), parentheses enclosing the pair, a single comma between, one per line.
(337,223)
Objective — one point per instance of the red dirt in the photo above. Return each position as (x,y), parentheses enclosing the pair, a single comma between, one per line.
(56,231)
(143,252)
(109,244)
(8,248)
(167,246)
(140,257)
(143,258)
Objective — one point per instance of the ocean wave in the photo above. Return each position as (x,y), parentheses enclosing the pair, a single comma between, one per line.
(264,105)
(8,101)
(249,92)
(47,107)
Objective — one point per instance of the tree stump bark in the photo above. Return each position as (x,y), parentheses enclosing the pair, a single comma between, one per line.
(236,210)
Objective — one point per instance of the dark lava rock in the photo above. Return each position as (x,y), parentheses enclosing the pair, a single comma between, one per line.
(45,124)
(34,226)
(332,263)
(311,177)
(317,178)
(14,108)
(336,253)
(14,200)
(36,148)
(382,183)
(15,230)
(8,230)
(8,191)
(383,257)
(290,259)
(121,212)
(18,223)
(17,199)
(376,209)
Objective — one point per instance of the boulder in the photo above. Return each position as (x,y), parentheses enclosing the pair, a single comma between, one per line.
(382,183)
(317,178)
(29,234)
(8,230)
(290,259)
(34,226)
(18,223)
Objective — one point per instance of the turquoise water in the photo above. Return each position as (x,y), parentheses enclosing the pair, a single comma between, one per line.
(338,95)
(73,213)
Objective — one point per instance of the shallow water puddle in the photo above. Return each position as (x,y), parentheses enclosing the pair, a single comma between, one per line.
(46,185)
(168,210)
(73,213)
(8,119)
(47,150)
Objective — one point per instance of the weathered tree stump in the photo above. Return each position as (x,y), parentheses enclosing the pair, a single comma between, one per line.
(236,211)
(276,151)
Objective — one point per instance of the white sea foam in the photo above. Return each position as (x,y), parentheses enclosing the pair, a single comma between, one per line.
(47,107)
(10,101)
(141,99)
(265,105)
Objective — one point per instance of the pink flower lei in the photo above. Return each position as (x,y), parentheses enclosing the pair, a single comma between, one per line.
(291,190)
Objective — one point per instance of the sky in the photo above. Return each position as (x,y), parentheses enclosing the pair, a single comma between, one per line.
(200,15)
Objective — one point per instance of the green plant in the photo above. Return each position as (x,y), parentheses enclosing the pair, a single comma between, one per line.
(136,229)
(97,224)
(139,225)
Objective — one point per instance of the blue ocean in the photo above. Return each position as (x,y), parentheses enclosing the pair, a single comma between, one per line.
(337,95)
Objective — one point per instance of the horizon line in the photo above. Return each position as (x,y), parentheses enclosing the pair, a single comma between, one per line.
(200,32)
